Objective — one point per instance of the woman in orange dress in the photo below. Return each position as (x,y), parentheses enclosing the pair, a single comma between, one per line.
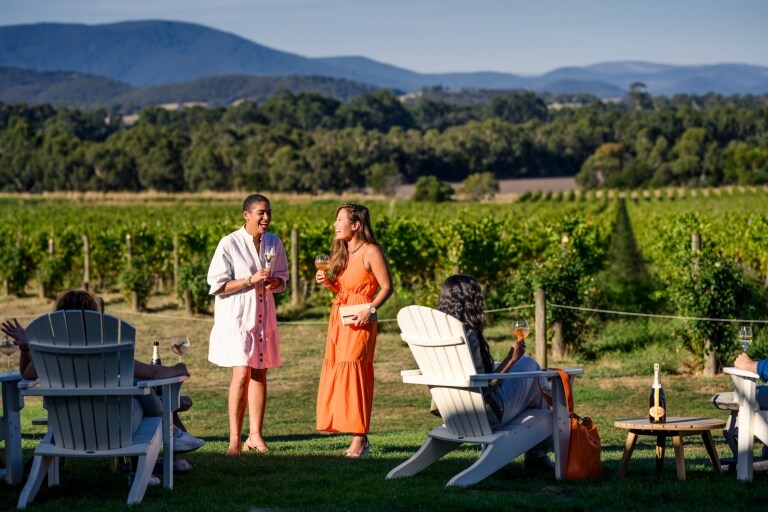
(358,271)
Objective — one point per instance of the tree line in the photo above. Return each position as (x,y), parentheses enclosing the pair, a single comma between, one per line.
(311,143)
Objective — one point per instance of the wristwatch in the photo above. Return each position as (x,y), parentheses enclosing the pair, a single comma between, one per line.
(372,309)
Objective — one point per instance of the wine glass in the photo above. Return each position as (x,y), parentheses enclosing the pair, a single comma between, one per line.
(520,328)
(179,345)
(8,347)
(269,255)
(745,337)
(322,262)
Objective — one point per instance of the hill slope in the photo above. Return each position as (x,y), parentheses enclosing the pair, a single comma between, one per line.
(152,53)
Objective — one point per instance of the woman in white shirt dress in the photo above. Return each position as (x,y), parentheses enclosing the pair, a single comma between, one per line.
(248,267)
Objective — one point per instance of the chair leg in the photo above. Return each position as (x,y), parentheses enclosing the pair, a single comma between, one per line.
(730,431)
(144,469)
(431,451)
(40,466)
(497,455)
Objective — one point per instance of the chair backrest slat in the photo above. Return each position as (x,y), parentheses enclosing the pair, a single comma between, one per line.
(438,343)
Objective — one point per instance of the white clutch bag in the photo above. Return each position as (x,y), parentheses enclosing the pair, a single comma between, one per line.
(348,312)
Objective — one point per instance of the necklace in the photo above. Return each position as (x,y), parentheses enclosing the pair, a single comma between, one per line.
(358,248)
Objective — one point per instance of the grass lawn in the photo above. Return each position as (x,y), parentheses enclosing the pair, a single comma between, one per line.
(305,470)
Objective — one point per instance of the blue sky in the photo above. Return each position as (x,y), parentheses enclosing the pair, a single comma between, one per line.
(514,36)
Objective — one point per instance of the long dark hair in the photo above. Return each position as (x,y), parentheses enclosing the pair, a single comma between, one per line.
(340,251)
(461,297)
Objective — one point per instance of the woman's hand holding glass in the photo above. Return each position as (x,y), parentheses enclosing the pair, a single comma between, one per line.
(520,328)
(745,337)
(322,264)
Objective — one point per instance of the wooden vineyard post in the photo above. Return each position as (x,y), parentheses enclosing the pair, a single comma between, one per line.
(294,266)
(710,358)
(86,264)
(129,251)
(540,321)
(188,302)
(176,267)
(50,257)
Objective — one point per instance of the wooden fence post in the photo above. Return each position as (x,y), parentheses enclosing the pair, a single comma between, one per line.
(176,265)
(710,357)
(86,264)
(129,251)
(188,302)
(50,257)
(540,321)
(294,266)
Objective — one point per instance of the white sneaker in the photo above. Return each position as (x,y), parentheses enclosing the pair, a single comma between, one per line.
(184,442)
(153,480)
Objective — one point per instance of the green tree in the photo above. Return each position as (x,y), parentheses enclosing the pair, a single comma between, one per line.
(383,178)
(518,107)
(599,169)
(429,188)
(380,110)
(639,98)
(480,186)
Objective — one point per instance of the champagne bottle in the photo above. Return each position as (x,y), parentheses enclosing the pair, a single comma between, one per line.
(156,352)
(658,402)
(156,360)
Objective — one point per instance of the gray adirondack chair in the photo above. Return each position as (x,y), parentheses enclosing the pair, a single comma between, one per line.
(84,361)
(745,422)
(438,344)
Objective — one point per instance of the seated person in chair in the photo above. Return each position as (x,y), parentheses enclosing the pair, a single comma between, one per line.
(462,298)
(148,405)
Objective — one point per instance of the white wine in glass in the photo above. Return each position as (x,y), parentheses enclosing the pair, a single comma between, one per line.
(322,262)
(520,328)
(745,337)
(269,256)
(8,348)
(179,345)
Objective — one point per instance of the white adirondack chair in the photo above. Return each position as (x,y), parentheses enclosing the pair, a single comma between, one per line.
(439,346)
(84,361)
(750,422)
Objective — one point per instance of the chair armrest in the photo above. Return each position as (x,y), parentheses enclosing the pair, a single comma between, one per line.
(482,378)
(152,383)
(120,391)
(479,380)
(171,391)
(435,381)
(408,373)
(730,370)
(26,384)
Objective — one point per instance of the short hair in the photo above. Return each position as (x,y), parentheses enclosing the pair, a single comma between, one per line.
(252,200)
(77,299)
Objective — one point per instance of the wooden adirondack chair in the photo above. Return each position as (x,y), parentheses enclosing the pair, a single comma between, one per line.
(84,361)
(746,422)
(439,346)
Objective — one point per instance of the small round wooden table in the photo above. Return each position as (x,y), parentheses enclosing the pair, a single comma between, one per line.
(676,428)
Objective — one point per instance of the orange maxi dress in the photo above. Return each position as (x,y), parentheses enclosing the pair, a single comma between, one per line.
(345,394)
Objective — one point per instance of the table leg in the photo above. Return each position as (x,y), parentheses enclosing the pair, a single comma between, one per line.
(710,445)
(629,447)
(660,442)
(679,457)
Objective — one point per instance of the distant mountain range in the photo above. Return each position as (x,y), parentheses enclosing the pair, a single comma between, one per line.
(131,62)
